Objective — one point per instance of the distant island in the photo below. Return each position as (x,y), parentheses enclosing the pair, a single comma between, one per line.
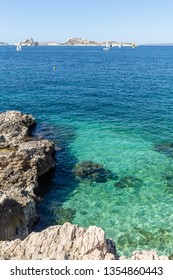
(75,42)
(84,42)
(3,44)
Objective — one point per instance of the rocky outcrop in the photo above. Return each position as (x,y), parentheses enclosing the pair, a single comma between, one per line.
(67,242)
(14,128)
(23,160)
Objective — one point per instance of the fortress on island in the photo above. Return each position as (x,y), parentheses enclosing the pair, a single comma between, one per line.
(75,42)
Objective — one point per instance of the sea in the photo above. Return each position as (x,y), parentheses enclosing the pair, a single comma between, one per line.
(114,108)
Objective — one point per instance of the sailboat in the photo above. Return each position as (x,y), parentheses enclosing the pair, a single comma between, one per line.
(108,46)
(18,47)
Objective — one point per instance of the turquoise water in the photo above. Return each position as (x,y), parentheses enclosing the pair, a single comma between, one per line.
(110,108)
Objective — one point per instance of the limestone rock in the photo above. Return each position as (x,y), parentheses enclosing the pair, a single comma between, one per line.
(61,242)
(23,160)
(14,127)
(17,215)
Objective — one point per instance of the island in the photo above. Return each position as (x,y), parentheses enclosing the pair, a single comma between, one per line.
(3,44)
(76,42)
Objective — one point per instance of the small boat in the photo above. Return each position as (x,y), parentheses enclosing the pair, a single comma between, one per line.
(18,47)
(133,46)
(108,46)
(120,45)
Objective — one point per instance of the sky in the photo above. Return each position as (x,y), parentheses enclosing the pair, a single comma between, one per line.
(139,21)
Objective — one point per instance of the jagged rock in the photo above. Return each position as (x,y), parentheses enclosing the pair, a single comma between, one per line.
(67,242)
(128,182)
(93,171)
(14,127)
(21,167)
(22,162)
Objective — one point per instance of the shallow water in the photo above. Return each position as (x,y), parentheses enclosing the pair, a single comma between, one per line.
(111,108)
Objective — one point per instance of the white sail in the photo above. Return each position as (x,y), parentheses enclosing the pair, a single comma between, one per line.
(18,48)
(108,46)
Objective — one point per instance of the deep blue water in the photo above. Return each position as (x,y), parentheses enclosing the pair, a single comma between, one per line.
(109,107)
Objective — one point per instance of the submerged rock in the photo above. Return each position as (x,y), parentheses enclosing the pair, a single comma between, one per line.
(128,182)
(22,162)
(93,171)
(67,242)
(168,178)
(65,215)
(144,255)
(62,134)
(165,148)
(169,185)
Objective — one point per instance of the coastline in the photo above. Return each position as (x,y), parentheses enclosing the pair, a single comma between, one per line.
(80,42)
(24,159)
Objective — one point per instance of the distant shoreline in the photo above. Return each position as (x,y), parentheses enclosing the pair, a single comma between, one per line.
(73,42)
(80,42)
(64,45)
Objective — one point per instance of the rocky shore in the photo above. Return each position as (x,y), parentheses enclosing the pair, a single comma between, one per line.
(66,242)
(24,160)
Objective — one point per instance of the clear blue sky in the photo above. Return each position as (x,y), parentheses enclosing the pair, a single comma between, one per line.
(140,21)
